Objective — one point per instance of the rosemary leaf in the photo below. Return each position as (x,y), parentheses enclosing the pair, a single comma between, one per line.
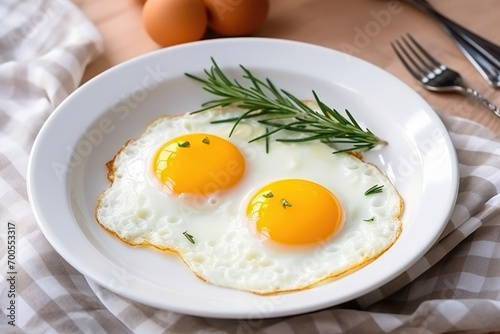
(376,189)
(285,203)
(267,141)
(268,195)
(188,236)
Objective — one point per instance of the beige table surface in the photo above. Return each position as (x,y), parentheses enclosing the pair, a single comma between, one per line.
(339,25)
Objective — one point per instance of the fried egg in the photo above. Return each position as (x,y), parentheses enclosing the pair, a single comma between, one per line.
(244,218)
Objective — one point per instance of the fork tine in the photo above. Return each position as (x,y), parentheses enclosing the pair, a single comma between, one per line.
(425,66)
(400,56)
(415,70)
(423,52)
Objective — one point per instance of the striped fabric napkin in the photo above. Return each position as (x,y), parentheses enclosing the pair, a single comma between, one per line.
(454,287)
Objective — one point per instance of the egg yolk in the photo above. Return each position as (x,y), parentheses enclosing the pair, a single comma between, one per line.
(198,163)
(295,212)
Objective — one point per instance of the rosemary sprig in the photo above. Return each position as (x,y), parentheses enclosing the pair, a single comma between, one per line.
(279,110)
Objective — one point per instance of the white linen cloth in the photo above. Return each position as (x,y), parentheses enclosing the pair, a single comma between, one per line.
(44,48)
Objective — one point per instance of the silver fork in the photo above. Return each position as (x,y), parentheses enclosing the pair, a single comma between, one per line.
(482,53)
(431,73)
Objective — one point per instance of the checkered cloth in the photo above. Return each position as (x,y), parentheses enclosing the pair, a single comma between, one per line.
(44,48)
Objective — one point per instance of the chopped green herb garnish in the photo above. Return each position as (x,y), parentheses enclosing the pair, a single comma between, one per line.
(369,220)
(374,190)
(268,195)
(206,141)
(285,203)
(184,144)
(188,236)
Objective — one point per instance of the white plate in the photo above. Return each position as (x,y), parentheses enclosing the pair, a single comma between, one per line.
(67,167)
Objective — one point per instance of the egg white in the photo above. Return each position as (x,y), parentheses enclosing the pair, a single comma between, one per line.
(226,251)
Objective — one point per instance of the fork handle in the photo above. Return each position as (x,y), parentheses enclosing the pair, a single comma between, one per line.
(478,97)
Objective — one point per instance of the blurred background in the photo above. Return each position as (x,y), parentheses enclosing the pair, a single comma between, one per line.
(363,28)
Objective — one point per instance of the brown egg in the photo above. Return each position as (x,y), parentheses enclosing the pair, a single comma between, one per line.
(236,17)
(170,22)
